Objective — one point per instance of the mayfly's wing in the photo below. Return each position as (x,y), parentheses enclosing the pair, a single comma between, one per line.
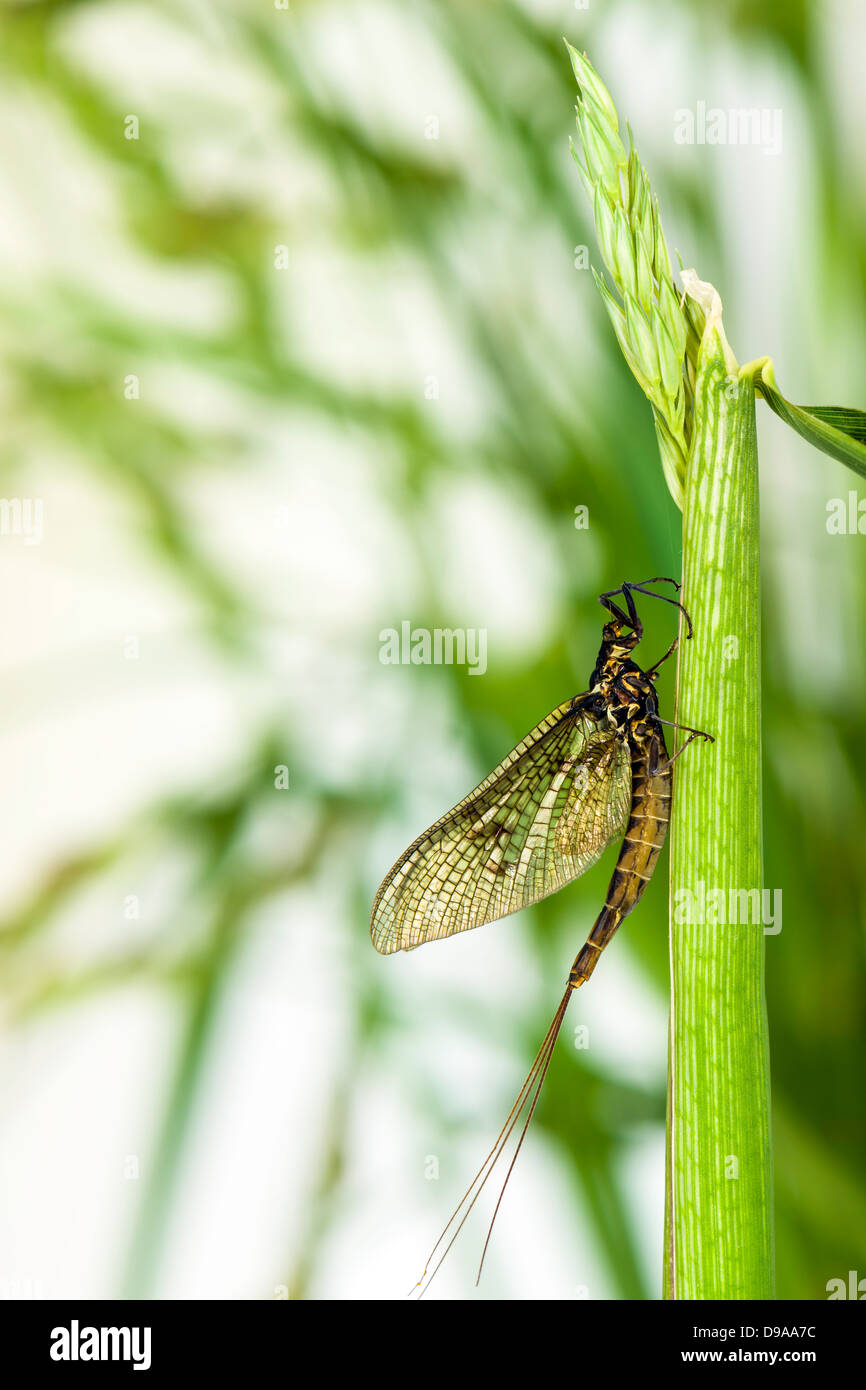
(541,818)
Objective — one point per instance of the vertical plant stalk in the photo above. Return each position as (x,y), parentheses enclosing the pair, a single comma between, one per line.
(718,1214)
(719,1235)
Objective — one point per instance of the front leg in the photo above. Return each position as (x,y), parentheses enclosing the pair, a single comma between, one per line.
(651,672)
(692,735)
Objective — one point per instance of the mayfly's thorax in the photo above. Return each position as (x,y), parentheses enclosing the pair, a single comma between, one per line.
(625,695)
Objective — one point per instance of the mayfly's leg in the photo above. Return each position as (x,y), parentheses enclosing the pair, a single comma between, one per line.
(630,619)
(662,579)
(662,659)
(692,735)
(687,729)
(626,589)
(659,579)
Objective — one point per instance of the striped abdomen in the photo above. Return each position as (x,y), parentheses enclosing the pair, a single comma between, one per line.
(641,846)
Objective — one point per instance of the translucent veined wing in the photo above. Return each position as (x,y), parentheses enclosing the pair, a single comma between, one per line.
(541,818)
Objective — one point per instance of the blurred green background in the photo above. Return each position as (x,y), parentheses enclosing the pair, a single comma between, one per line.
(315,354)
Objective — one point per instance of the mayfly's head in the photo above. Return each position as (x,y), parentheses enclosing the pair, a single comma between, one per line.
(617,644)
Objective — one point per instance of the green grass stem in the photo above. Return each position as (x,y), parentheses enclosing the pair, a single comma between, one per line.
(719,1233)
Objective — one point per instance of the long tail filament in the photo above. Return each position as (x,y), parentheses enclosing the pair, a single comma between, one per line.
(528,1095)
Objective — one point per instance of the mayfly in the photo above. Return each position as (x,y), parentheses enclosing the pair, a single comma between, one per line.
(595,766)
